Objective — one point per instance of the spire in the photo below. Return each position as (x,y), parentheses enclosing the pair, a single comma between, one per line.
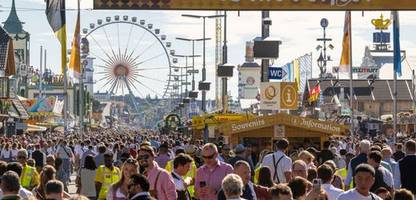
(13,24)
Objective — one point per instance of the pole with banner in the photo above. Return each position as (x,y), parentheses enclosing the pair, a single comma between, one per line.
(56,15)
(397,67)
(346,64)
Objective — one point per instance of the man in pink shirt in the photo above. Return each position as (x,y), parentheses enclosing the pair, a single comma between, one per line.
(209,176)
(162,186)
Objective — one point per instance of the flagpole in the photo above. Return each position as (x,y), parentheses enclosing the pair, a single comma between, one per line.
(394,105)
(81,86)
(41,72)
(396,68)
(44,67)
(351,82)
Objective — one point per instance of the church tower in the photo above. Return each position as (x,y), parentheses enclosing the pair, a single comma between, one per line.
(21,43)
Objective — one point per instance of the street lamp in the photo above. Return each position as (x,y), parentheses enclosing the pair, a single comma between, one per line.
(193,71)
(323,58)
(204,49)
(193,55)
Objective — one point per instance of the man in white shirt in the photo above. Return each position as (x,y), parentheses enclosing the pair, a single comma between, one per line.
(364,179)
(387,157)
(181,164)
(326,174)
(279,163)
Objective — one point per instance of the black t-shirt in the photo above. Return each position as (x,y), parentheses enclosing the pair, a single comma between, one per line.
(38,157)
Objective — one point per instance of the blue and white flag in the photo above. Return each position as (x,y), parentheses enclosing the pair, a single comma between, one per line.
(396,44)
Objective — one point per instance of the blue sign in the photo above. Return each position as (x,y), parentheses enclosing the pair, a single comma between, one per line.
(381,37)
(276,73)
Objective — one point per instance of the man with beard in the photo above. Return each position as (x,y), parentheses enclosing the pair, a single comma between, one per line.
(162,186)
(106,175)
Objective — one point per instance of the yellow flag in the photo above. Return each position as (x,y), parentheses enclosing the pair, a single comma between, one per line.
(296,69)
(344,65)
(55,12)
(75,59)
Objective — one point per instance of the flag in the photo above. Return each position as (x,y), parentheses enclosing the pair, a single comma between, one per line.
(344,65)
(7,62)
(296,70)
(75,59)
(55,12)
(314,94)
(396,45)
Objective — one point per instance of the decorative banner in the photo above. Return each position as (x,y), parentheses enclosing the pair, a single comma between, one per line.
(43,105)
(256,4)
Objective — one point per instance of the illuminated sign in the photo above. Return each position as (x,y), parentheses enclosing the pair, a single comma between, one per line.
(256,4)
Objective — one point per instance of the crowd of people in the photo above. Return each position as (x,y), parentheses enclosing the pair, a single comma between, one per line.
(119,165)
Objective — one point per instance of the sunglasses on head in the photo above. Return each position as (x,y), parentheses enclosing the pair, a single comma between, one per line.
(209,157)
(130,161)
(143,157)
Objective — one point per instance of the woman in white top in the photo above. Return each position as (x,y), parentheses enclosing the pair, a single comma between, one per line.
(14,151)
(119,190)
(86,177)
(6,153)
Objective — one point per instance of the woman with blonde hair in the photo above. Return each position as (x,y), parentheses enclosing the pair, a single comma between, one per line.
(308,158)
(120,190)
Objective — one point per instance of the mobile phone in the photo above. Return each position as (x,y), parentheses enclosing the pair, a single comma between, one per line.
(202,184)
(317,182)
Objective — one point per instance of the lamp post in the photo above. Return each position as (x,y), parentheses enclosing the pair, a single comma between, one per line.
(204,74)
(193,55)
(323,58)
(193,71)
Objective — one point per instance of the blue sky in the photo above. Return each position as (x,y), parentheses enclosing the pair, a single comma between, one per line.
(297,30)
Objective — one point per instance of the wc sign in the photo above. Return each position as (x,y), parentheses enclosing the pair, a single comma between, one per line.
(276,73)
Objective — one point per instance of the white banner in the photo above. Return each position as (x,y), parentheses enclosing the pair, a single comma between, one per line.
(249,83)
(59,105)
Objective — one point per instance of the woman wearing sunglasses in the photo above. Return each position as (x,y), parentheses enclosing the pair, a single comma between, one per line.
(120,190)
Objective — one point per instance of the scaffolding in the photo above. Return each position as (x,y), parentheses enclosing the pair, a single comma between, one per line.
(218,59)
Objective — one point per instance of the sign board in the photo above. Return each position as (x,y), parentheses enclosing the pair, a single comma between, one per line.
(276,73)
(255,4)
(381,37)
(279,131)
(269,96)
(358,70)
(280,122)
(249,82)
(278,95)
(289,96)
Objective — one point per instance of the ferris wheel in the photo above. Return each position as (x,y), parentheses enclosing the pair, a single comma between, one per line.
(131,57)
